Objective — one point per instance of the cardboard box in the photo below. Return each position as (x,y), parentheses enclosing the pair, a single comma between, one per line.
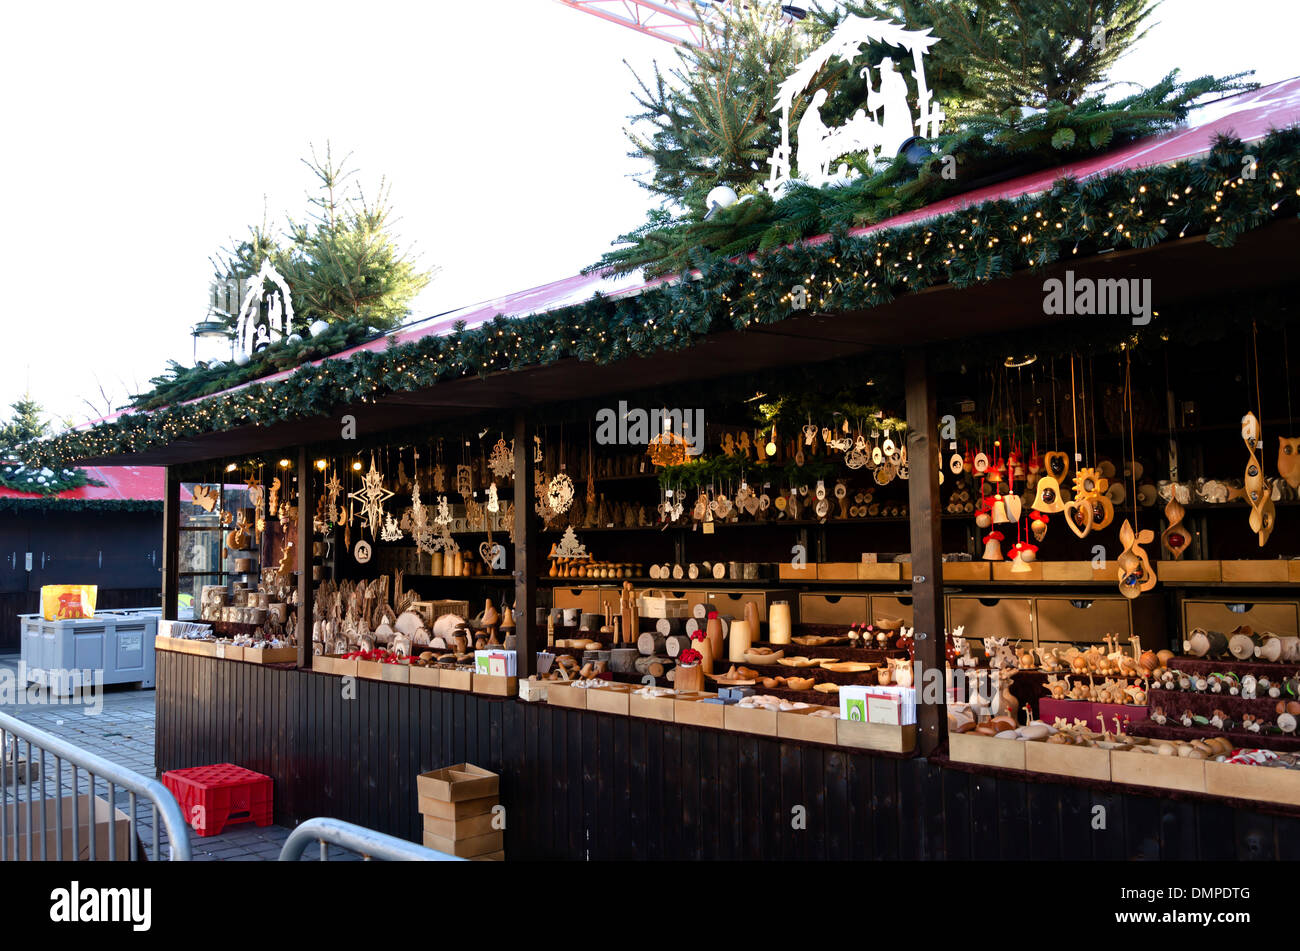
(1169,570)
(426,676)
(532,691)
(651,708)
(370,669)
(1253,782)
(967,570)
(662,604)
(1256,571)
(838,571)
(836,608)
(489,857)
(466,828)
(987,751)
(267,655)
(453,678)
(798,725)
(566,695)
(789,572)
(496,662)
(749,720)
(876,736)
(692,712)
(334,664)
(880,571)
(464,809)
(233,652)
(458,783)
(395,673)
(612,699)
(466,848)
(1162,772)
(496,686)
(108,822)
(1062,760)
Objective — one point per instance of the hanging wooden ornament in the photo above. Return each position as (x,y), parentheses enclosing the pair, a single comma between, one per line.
(371,497)
(559,493)
(273,498)
(1103,512)
(391,532)
(993,546)
(955,464)
(1019,563)
(1175,540)
(205,497)
(667,449)
(1056,464)
(1047,499)
(465,481)
(810,433)
(981,463)
(362,552)
(1258,491)
(1038,525)
(1133,566)
(502,459)
(493,499)
(1078,516)
(1288,460)
(422,531)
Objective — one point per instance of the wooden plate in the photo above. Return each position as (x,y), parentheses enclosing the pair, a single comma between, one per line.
(796,662)
(847,667)
(827,688)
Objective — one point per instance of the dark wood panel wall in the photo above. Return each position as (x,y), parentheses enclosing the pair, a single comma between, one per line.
(580,785)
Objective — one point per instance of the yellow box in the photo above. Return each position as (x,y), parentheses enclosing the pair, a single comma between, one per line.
(651,708)
(876,736)
(566,695)
(879,571)
(789,572)
(692,712)
(1063,760)
(496,686)
(334,664)
(450,678)
(1256,571)
(1253,782)
(426,676)
(749,720)
(985,750)
(611,699)
(797,725)
(1192,570)
(967,570)
(1066,570)
(1002,571)
(1163,772)
(838,571)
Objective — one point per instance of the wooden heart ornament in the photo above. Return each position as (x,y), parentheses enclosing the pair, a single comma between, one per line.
(489,552)
(1057,464)
(1078,515)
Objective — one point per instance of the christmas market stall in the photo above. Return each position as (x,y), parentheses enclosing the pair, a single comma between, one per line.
(920,539)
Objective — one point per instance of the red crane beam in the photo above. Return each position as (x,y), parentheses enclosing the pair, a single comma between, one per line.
(671,20)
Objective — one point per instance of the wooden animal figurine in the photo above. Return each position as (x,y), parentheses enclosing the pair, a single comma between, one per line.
(1058,688)
(1004,702)
(1133,566)
(1047,659)
(1174,540)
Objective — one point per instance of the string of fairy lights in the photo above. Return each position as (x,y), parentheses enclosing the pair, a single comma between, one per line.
(1221,195)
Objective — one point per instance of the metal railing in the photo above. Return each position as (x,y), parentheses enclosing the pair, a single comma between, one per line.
(19,773)
(367,842)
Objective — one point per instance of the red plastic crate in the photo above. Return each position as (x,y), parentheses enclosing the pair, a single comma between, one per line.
(211,797)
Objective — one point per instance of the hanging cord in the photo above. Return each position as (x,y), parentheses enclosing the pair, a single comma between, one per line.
(1132,443)
(1055,408)
(1092,407)
(1074,414)
(1286,379)
(1254,339)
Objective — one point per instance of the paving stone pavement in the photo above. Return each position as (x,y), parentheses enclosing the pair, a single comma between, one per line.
(123,731)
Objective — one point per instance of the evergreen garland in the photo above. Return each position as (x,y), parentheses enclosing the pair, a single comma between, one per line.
(12,506)
(1135,208)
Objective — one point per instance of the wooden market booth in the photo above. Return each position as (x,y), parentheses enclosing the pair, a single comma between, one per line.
(579,783)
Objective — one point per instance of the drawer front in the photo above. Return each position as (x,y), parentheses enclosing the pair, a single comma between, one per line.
(992,617)
(1272,616)
(585,599)
(891,607)
(733,602)
(1083,620)
(833,608)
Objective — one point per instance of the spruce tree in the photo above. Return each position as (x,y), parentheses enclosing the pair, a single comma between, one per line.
(25,425)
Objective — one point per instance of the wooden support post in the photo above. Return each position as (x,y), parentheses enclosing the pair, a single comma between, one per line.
(306,592)
(526,556)
(927,550)
(171,543)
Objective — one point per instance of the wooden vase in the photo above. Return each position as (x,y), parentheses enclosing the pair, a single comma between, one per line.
(739,641)
(714,630)
(689,678)
(778,622)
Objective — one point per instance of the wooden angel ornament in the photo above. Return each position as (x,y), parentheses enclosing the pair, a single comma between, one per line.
(1134,567)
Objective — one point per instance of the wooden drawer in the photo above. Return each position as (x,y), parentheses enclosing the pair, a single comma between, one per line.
(1273,616)
(733,602)
(890,606)
(992,617)
(1082,620)
(833,608)
(588,599)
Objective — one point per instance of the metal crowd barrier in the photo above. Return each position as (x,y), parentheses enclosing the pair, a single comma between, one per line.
(21,774)
(367,842)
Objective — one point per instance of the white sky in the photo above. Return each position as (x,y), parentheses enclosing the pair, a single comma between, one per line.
(140,137)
